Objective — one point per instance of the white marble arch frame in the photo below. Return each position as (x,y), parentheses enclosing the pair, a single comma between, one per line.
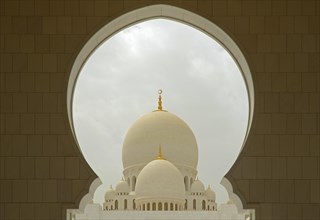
(154,12)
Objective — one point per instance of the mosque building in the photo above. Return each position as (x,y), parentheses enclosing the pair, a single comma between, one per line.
(160,157)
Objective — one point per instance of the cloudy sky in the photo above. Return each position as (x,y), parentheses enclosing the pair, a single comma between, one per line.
(201,84)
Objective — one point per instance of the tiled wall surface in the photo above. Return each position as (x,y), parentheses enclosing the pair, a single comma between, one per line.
(42,171)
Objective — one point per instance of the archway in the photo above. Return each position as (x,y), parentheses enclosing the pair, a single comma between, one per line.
(161,11)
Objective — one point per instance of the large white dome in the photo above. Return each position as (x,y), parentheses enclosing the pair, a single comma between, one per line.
(160,128)
(160,179)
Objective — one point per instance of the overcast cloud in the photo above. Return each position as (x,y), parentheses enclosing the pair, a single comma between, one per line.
(201,84)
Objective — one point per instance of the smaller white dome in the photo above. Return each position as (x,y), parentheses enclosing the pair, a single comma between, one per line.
(122,186)
(210,193)
(110,194)
(197,186)
(160,179)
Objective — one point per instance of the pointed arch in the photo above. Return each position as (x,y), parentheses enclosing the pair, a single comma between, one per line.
(154,206)
(186,183)
(134,204)
(165,206)
(125,204)
(160,206)
(148,206)
(134,179)
(116,205)
(203,205)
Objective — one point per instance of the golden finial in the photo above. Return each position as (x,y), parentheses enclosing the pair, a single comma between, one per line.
(160,100)
(159,157)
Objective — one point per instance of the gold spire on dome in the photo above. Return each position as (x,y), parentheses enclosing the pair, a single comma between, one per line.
(160,100)
(160,157)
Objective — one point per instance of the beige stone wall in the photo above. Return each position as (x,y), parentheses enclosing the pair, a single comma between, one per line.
(42,171)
